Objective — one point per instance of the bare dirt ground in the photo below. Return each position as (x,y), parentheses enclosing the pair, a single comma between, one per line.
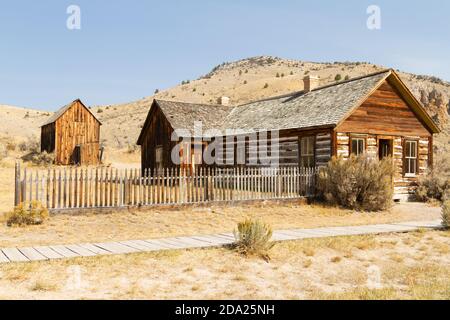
(155,223)
(393,266)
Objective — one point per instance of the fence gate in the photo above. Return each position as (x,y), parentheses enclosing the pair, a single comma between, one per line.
(102,187)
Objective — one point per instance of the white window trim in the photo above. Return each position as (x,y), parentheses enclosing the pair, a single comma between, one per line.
(310,143)
(410,174)
(363,145)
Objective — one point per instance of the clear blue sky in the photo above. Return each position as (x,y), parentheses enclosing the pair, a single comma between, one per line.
(127,49)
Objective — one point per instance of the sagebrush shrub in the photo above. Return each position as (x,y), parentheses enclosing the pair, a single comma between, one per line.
(253,238)
(446,214)
(436,183)
(31,145)
(25,214)
(40,158)
(358,182)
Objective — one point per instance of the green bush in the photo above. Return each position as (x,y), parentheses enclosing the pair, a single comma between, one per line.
(446,214)
(436,184)
(27,214)
(253,238)
(358,182)
(338,77)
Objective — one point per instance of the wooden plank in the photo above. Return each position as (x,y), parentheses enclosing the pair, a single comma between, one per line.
(3,257)
(48,252)
(59,189)
(96,202)
(179,243)
(139,245)
(161,244)
(116,247)
(86,189)
(14,255)
(94,249)
(70,189)
(101,187)
(64,251)
(32,254)
(80,250)
(80,201)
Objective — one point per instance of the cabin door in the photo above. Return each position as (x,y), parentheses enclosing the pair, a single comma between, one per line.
(384,148)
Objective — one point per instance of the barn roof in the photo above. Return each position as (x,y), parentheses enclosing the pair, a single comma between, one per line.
(325,106)
(55,116)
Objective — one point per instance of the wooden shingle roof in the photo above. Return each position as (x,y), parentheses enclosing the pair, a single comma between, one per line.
(325,106)
(182,115)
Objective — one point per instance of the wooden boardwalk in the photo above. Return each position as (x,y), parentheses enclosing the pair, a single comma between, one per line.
(42,253)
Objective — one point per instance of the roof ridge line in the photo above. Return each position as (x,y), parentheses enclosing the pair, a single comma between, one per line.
(353,79)
(296,94)
(192,103)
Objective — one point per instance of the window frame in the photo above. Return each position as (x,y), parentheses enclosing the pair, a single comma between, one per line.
(310,156)
(406,158)
(363,139)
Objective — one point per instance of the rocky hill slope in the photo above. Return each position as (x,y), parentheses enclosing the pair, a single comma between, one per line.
(242,81)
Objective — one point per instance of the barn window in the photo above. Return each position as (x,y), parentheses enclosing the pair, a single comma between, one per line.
(357,146)
(307,151)
(410,157)
(159,157)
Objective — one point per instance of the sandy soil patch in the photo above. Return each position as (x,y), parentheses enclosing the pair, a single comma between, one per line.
(397,266)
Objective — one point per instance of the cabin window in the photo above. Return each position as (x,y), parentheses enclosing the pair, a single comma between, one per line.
(410,157)
(307,151)
(159,157)
(357,146)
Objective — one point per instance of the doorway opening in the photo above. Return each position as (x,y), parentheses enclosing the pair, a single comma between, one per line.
(385,148)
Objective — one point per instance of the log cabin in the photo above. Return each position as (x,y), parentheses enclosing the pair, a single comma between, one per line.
(374,114)
(73,135)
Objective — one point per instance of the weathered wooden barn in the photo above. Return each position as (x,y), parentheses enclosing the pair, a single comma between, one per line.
(374,114)
(73,135)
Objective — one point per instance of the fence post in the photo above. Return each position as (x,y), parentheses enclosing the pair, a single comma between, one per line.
(279,182)
(17,184)
(23,196)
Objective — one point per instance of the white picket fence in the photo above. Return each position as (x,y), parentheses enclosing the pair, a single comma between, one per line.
(68,188)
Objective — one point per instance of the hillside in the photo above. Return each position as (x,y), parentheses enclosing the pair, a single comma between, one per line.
(241,81)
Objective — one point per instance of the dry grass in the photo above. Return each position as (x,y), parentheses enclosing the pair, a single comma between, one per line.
(6,187)
(154,223)
(222,273)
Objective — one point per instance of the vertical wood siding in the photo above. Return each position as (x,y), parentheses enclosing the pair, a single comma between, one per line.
(75,127)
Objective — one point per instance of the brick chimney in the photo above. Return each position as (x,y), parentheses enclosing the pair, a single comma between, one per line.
(310,82)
